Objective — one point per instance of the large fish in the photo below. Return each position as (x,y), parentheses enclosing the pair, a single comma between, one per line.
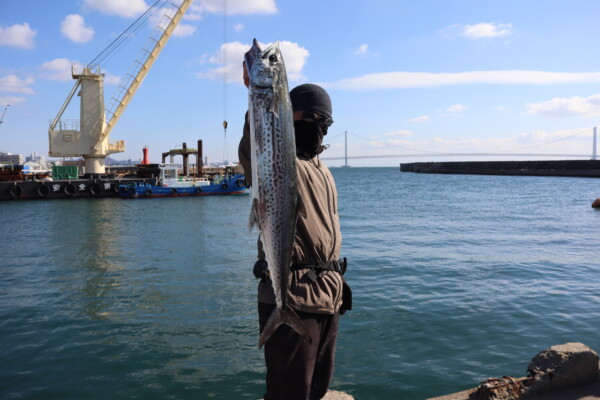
(274,176)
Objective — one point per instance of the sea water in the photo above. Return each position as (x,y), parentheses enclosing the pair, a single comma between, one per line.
(456,278)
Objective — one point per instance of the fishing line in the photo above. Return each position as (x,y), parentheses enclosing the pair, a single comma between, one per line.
(225,150)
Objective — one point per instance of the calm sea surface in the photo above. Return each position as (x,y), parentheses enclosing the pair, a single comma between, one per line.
(456,278)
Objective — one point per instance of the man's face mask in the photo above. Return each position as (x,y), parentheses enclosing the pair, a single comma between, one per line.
(309,135)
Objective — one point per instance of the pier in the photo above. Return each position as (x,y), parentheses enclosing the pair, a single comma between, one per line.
(572,168)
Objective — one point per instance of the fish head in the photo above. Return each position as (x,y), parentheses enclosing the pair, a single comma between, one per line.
(265,67)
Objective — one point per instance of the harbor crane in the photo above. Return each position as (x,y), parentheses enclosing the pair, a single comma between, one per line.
(88,137)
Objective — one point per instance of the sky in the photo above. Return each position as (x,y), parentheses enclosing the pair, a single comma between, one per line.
(423,78)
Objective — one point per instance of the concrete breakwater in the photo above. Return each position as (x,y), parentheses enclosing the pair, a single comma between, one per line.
(573,168)
(568,371)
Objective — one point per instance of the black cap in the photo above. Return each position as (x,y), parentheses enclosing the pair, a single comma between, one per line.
(311,98)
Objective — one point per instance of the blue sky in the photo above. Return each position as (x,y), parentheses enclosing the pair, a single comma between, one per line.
(417,77)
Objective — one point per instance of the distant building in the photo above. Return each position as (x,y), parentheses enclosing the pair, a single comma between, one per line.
(9,158)
(36,158)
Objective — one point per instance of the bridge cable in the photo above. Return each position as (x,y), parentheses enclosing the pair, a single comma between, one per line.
(551,141)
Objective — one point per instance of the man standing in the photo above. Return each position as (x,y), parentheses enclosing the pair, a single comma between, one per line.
(297,369)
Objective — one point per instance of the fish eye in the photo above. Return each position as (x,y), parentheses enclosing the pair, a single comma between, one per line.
(273,58)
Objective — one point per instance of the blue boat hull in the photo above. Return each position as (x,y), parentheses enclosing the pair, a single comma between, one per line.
(235,185)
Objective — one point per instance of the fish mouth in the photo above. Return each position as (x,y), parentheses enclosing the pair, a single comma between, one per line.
(258,56)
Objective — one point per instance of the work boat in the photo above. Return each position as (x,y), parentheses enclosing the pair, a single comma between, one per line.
(169,184)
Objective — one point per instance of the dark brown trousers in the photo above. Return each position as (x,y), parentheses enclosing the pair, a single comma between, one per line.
(297,370)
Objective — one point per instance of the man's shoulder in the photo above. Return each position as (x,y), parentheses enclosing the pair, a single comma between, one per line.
(313,163)
(311,170)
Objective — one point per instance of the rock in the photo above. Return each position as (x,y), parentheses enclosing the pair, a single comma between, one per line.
(596,203)
(334,395)
(562,366)
(505,388)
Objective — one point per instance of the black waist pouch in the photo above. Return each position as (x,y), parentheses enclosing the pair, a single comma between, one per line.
(346,298)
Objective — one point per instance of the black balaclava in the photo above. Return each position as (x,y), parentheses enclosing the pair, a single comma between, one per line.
(309,135)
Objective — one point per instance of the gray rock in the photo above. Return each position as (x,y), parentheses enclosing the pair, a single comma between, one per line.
(334,395)
(562,366)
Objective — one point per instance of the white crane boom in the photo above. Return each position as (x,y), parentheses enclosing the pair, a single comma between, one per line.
(144,66)
(88,137)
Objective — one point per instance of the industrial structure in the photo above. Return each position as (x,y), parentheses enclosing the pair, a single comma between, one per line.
(88,137)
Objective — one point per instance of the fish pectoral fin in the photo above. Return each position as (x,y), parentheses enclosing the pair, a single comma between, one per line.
(253,220)
(287,317)
(274,108)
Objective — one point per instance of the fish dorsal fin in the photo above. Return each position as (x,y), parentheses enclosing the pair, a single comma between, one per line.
(252,54)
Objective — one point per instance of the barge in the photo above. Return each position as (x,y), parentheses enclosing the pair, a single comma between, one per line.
(16,185)
(169,184)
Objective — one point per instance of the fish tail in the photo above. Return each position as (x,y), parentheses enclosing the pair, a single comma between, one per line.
(283,316)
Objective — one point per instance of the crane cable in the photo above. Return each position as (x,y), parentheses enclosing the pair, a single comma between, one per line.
(225,151)
(126,35)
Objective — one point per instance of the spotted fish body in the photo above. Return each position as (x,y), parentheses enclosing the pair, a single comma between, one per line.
(274,176)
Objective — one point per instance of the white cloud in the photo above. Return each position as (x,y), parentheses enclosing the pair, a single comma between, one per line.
(110,79)
(295,58)
(125,9)
(11,101)
(163,18)
(573,141)
(421,119)
(362,50)
(231,55)
(403,133)
(13,84)
(402,80)
(73,27)
(58,69)
(485,30)
(456,108)
(563,107)
(233,7)
(184,30)
(238,27)
(18,35)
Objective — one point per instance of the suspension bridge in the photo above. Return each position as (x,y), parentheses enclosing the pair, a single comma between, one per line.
(513,153)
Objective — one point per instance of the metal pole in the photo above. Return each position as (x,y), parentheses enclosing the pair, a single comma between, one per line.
(199,160)
(594,157)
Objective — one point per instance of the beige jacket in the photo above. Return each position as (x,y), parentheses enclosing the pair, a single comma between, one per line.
(318,236)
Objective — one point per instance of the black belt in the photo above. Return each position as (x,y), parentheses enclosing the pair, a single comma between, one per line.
(260,268)
(337,266)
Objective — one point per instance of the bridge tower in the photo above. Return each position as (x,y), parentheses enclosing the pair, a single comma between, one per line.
(594,157)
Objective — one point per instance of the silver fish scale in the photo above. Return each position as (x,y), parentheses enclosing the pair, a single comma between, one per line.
(273,168)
